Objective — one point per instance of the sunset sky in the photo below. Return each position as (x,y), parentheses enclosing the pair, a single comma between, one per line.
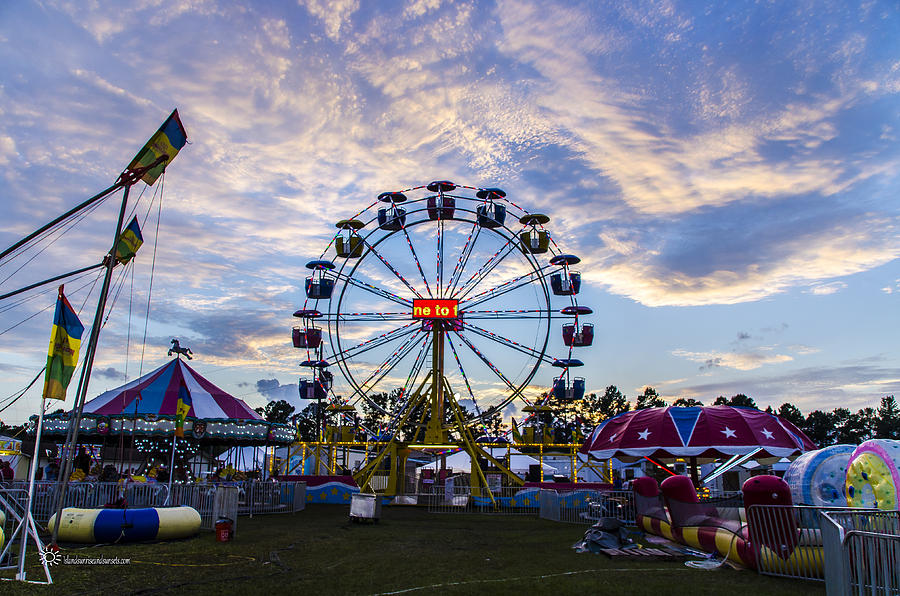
(727,171)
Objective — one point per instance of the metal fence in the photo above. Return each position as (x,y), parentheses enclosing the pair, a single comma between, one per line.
(587,506)
(787,540)
(862,552)
(453,497)
(250,497)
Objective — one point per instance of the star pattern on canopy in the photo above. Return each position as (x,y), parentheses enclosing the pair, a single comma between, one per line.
(711,431)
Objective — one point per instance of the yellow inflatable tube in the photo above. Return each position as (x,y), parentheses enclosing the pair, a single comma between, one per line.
(126,525)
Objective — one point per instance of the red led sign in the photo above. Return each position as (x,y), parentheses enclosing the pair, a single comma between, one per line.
(435,309)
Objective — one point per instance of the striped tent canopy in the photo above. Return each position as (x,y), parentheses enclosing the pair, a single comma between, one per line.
(157,393)
(708,432)
(147,407)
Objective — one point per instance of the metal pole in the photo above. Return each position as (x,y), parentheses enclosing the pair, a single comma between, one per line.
(26,531)
(171,467)
(121,182)
(110,263)
(51,280)
(127,179)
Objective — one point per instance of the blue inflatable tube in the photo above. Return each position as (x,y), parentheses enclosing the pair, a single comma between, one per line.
(126,525)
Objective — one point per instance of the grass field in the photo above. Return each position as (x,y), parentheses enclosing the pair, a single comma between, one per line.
(411,551)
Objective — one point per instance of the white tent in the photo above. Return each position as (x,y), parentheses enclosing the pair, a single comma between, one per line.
(245,458)
(519,462)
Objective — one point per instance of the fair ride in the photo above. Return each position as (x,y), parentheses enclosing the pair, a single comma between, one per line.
(147,166)
(449,293)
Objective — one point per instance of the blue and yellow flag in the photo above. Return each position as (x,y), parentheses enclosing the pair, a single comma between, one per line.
(168,141)
(129,242)
(517,437)
(65,342)
(182,409)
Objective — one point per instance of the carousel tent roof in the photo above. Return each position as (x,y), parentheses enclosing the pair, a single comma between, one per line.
(157,393)
(147,407)
(710,431)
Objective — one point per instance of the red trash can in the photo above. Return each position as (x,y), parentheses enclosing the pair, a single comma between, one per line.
(224,529)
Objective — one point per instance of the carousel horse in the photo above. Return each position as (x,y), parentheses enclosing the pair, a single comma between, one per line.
(177,349)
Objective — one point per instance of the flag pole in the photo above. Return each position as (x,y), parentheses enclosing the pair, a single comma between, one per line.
(27,519)
(83,382)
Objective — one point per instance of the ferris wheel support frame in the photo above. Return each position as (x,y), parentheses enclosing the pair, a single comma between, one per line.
(426,394)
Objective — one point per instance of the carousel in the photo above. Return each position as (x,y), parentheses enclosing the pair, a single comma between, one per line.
(134,425)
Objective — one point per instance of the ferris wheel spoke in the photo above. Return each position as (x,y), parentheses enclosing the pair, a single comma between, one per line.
(385,367)
(404,400)
(488,363)
(505,287)
(373,289)
(355,317)
(511,314)
(439,266)
(508,343)
(393,270)
(486,269)
(464,257)
(465,377)
(378,341)
(418,263)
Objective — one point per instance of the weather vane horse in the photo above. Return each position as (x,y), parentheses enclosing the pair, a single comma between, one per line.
(177,349)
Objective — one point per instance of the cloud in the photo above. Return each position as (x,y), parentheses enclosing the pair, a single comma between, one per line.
(826,289)
(273,390)
(853,386)
(335,14)
(109,373)
(7,149)
(736,360)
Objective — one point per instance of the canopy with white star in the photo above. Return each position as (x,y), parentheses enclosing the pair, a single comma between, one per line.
(708,432)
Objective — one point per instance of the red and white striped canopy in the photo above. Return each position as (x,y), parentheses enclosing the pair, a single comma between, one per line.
(157,393)
(711,431)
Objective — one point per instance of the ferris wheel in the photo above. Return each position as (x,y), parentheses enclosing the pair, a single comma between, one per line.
(453,295)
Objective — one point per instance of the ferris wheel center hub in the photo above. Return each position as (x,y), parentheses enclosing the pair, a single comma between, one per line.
(435,309)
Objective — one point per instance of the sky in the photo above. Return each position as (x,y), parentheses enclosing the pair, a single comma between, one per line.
(727,172)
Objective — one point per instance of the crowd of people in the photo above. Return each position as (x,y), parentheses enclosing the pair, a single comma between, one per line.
(84,468)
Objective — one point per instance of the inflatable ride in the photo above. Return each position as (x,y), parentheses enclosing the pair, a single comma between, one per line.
(673,510)
(873,475)
(817,477)
(126,525)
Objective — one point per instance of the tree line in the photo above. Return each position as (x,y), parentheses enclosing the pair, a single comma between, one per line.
(577,417)
(840,425)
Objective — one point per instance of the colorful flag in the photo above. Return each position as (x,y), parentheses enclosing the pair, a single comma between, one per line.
(129,242)
(182,409)
(168,141)
(515,432)
(62,357)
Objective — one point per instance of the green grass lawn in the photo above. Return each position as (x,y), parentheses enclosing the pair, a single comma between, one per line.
(411,551)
